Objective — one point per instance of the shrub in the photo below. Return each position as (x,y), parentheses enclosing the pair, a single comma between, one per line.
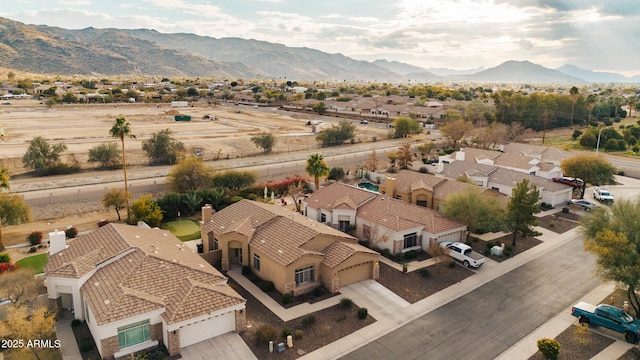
(409,255)
(246,270)
(308,320)
(85,345)
(298,334)
(399,256)
(35,237)
(346,303)
(71,232)
(362,313)
(565,210)
(550,348)
(576,134)
(452,264)
(5,258)
(75,323)
(32,249)
(286,332)
(487,252)
(507,253)
(317,291)
(4,267)
(286,298)
(552,225)
(102,222)
(364,243)
(266,285)
(490,244)
(635,148)
(265,333)
(341,318)
(423,169)
(424,272)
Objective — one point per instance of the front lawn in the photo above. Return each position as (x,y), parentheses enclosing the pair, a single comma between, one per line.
(35,262)
(184,229)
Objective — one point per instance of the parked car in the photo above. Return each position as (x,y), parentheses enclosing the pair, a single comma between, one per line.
(575,182)
(464,253)
(364,122)
(586,205)
(602,195)
(609,317)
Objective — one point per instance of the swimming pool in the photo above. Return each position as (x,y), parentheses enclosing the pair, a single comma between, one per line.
(368,186)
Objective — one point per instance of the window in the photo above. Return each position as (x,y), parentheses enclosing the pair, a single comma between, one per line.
(305,275)
(213,242)
(343,225)
(134,334)
(410,240)
(256,262)
(323,218)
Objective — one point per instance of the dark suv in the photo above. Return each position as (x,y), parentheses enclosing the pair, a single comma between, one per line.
(569,181)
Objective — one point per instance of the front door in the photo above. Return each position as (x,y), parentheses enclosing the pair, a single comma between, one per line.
(237,258)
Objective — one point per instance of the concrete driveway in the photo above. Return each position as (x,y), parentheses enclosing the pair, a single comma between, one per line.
(224,347)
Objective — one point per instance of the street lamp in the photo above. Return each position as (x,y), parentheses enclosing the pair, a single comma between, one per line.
(598,144)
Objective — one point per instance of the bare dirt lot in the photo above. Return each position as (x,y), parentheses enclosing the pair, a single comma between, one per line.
(216,130)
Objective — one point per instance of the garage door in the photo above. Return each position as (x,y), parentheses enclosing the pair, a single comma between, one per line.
(203,330)
(355,273)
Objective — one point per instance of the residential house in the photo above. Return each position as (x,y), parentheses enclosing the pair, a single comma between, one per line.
(504,180)
(427,190)
(139,287)
(518,162)
(387,223)
(294,252)
(546,154)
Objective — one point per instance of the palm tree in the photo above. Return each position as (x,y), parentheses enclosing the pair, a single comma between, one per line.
(120,130)
(317,167)
(4,184)
(573,93)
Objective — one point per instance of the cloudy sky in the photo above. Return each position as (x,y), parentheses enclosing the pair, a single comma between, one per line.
(600,35)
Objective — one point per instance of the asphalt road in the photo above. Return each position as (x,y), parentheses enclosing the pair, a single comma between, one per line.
(492,318)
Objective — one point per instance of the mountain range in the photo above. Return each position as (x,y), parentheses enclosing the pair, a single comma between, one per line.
(142,52)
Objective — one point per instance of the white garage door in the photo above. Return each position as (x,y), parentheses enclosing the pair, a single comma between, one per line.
(207,329)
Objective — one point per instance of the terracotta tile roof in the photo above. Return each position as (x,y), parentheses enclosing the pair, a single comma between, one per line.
(474,154)
(463,168)
(195,299)
(338,252)
(399,216)
(242,226)
(448,187)
(512,177)
(407,180)
(346,203)
(144,275)
(278,232)
(337,194)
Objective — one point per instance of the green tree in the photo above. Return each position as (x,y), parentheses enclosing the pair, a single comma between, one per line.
(319,107)
(337,134)
(590,168)
(336,173)
(521,208)
(191,200)
(614,238)
(145,209)
(162,148)
(189,174)
(479,212)
(4,185)
(264,140)
(592,100)
(456,130)
(550,348)
(13,211)
(425,149)
(106,154)
(234,179)
(573,94)
(41,156)
(115,198)
(120,130)
(317,168)
(69,97)
(403,126)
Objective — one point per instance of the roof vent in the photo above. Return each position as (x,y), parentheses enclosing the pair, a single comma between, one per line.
(97,283)
(107,302)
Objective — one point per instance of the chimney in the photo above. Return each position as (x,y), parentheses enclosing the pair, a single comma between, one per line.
(57,241)
(207,211)
(390,186)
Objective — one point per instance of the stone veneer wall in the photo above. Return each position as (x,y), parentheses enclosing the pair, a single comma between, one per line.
(109,346)
(173,337)
(241,320)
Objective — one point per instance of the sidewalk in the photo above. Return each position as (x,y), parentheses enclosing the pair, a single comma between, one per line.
(68,344)
(527,346)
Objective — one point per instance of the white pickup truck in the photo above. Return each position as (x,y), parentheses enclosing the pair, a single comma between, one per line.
(602,195)
(464,253)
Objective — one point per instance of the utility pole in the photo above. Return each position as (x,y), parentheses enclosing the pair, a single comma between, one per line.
(544,126)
